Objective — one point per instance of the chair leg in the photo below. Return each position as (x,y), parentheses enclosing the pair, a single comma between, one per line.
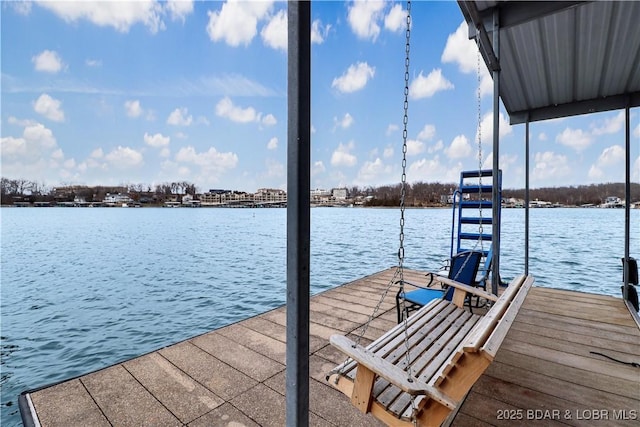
(398,306)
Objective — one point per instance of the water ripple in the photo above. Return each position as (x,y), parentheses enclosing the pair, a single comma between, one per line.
(86,288)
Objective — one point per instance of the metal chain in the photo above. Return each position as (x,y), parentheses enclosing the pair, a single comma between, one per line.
(480,227)
(405,121)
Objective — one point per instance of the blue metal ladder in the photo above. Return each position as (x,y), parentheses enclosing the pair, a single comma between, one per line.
(474,193)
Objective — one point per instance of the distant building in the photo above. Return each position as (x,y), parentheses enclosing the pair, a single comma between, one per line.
(189,201)
(339,194)
(321,197)
(270,195)
(117,199)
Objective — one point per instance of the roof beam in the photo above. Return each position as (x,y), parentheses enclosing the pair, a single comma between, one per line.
(616,102)
(514,13)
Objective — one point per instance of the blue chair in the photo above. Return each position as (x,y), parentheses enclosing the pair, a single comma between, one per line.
(463,269)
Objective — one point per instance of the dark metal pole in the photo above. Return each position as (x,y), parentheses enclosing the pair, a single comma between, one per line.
(627,204)
(495,235)
(298,212)
(526,199)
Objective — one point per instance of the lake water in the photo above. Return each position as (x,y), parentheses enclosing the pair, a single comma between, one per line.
(82,289)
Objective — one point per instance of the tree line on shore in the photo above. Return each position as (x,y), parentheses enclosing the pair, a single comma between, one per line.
(418,194)
(430,194)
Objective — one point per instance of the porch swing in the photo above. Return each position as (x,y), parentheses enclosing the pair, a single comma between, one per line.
(417,373)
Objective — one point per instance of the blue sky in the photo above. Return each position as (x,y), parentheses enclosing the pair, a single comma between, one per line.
(150,92)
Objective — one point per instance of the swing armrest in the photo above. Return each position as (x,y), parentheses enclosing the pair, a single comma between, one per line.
(389,372)
(469,289)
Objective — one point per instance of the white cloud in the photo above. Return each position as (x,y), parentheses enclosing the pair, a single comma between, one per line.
(595,172)
(124,157)
(414,147)
(57,154)
(342,155)
(392,128)
(609,125)
(375,172)
(459,148)
(156,140)
(133,108)
(635,170)
(119,15)
(436,147)
(636,131)
(165,152)
(40,134)
(236,22)
(427,133)
(180,117)
(486,127)
(425,87)
(319,32)
(97,153)
(606,164)
(355,78)
(49,108)
(274,168)
(69,163)
(272,144)
(549,167)
(317,168)
(506,162)
(226,109)
(179,9)
(34,155)
(611,156)
(92,62)
(542,136)
(210,162)
(48,61)
(388,152)
(345,122)
(20,7)
(363,17)
(396,19)
(12,146)
(269,120)
(432,170)
(274,34)
(575,138)
(460,50)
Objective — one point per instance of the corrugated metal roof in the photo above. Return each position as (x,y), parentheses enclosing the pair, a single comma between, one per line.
(560,59)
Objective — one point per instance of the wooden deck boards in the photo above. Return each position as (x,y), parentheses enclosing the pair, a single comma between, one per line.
(546,364)
(236,375)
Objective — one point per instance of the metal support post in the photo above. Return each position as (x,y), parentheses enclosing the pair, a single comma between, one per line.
(526,199)
(298,212)
(627,204)
(495,273)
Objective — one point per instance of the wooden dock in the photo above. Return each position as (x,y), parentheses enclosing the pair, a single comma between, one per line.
(544,374)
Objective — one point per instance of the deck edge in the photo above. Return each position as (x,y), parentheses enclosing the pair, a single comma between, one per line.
(27,411)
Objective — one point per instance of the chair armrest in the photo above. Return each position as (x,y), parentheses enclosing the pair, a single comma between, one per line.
(389,372)
(415,285)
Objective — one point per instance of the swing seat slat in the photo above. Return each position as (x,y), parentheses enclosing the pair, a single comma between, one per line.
(449,349)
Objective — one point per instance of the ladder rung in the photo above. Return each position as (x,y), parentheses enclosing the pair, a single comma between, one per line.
(473,220)
(475,204)
(467,189)
(474,236)
(475,174)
